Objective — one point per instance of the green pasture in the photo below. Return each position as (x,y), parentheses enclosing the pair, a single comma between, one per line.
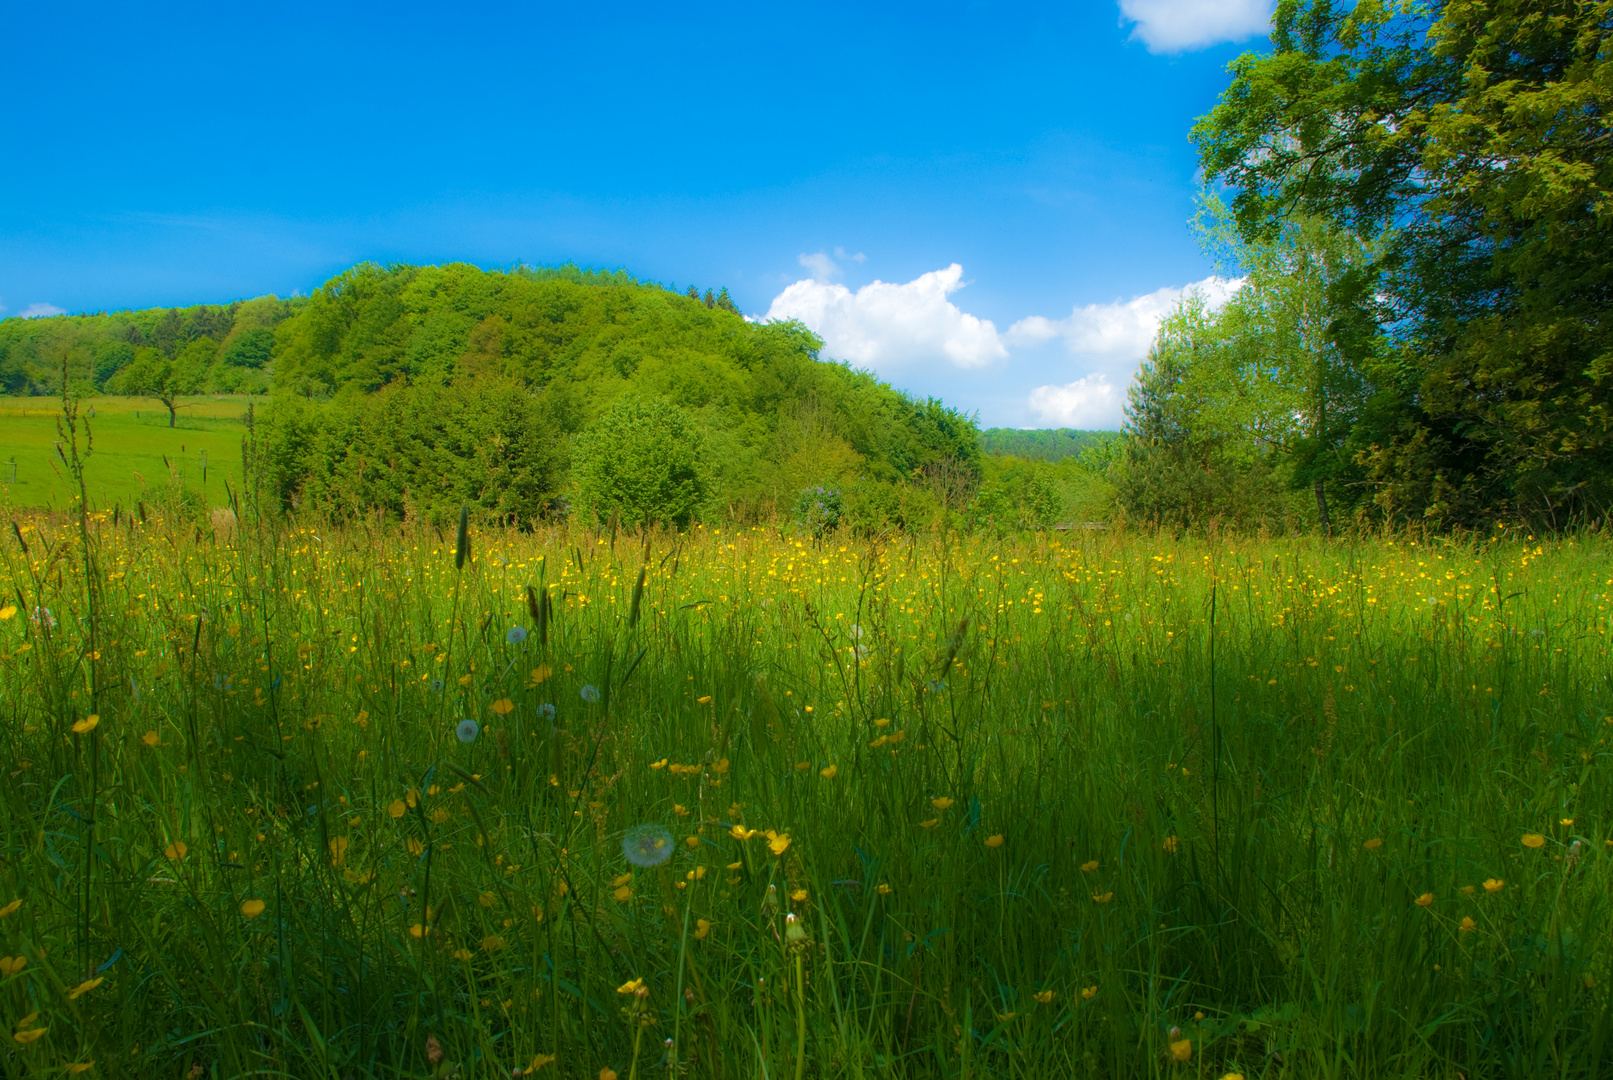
(131,440)
(293,800)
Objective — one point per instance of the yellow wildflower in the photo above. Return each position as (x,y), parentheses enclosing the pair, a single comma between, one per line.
(252,908)
(1533,840)
(1493,885)
(994,840)
(86,725)
(1425,900)
(85,987)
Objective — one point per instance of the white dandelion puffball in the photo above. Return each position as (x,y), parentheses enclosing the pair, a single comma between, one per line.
(467,730)
(589,694)
(515,635)
(647,845)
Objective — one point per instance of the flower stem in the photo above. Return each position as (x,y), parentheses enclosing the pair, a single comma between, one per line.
(800,1019)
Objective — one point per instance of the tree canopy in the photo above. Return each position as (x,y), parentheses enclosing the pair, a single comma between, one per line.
(1467,143)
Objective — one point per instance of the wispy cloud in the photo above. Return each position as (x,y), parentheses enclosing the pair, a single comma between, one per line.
(40,311)
(1171,26)
(887,326)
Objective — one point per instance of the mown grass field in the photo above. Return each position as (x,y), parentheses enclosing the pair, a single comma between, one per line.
(132,437)
(292,801)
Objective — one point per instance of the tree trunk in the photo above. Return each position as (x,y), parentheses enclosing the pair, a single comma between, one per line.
(171,412)
(1321,509)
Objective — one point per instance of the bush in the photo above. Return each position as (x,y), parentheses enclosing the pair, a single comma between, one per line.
(644,462)
(818,509)
(1017,494)
(873,506)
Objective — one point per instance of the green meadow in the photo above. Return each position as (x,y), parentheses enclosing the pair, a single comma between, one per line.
(292,800)
(132,439)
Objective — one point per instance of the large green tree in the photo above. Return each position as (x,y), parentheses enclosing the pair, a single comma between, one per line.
(155,375)
(1240,404)
(1469,140)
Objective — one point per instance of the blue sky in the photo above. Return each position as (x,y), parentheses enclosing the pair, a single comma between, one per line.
(987,202)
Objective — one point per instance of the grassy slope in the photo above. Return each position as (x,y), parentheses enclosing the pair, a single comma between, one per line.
(131,436)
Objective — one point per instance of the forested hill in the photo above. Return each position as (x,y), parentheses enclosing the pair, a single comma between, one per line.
(1054,444)
(407,389)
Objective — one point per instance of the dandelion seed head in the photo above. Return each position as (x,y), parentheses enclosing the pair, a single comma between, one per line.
(467,731)
(515,635)
(590,694)
(647,845)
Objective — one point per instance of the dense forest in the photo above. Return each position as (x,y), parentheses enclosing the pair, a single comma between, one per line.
(1420,197)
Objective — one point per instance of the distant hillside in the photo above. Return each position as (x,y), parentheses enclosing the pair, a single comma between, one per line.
(407,389)
(1054,444)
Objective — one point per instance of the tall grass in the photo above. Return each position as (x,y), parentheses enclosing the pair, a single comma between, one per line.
(1097,805)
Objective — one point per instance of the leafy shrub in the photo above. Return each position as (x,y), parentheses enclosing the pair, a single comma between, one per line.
(1017,494)
(644,462)
(818,509)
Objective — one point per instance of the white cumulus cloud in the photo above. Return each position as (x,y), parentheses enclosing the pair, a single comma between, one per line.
(1120,330)
(1109,341)
(39,311)
(886,326)
(1169,26)
(1089,402)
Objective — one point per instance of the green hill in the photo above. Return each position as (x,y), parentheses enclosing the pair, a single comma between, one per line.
(408,389)
(1043,444)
